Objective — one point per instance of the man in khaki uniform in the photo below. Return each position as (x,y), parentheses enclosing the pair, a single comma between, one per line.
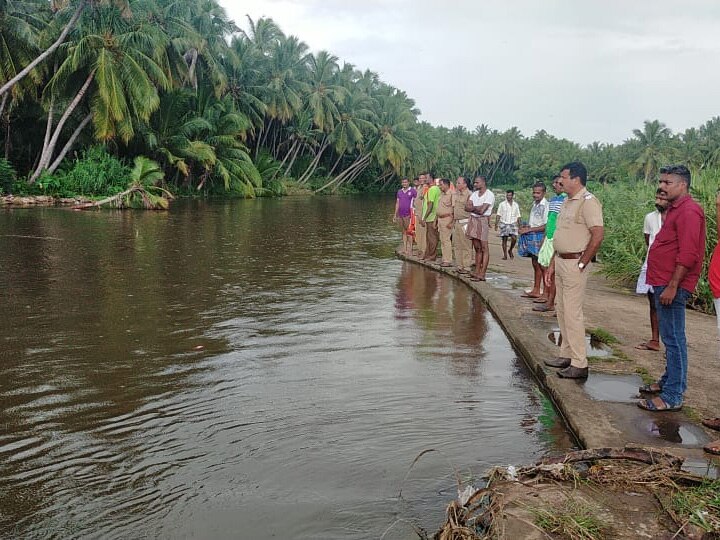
(578,236)
(445,221)
(420,232)
(461,243)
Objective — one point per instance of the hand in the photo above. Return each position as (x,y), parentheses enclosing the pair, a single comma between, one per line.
(450,225)
(523,230)
(496,228)
(421,223)
(394,219)
(668,295)
(717,198)
(549,274)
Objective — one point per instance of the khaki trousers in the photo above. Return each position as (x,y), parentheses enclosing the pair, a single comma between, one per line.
(463,246)
(571,284)
(446,242)
(420,236)
(432,238)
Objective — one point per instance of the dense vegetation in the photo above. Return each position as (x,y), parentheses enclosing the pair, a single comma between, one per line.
(247,112)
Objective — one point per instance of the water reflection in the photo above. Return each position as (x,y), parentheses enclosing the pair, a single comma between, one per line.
(208,371)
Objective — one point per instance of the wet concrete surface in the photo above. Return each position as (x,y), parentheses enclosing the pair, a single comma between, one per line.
(617,388)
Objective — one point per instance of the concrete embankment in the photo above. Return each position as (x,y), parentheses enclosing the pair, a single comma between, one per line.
(601,411)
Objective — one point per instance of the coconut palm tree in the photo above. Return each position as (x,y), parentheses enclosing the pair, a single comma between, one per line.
(653,142)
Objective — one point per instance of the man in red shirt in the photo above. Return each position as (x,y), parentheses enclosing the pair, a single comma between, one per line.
(674,264)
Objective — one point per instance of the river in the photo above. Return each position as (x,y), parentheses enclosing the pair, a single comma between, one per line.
(244,369)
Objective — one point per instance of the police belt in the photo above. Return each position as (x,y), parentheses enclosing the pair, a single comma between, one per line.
(462,221)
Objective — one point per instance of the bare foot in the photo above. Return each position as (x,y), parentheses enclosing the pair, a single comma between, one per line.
(504,258)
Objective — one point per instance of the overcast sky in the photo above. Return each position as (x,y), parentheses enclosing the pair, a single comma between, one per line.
(581,69)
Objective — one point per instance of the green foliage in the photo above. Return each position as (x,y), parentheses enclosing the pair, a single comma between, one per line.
(7,176)
(623,251)
(699,505)
(94,173)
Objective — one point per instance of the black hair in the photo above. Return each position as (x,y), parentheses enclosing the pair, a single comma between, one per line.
(510,191)
(445,181)
(678,170)
(576,169)
(540,185)
(481,177)
(556,177)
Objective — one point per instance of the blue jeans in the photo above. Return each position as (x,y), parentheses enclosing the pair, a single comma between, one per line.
(672,331)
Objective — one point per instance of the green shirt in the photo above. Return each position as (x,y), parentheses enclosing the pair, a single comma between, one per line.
(433,196)
(555,204)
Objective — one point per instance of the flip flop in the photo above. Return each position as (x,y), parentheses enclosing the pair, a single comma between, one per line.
(649,405)
(646,347)
(526,295)
(712,423)
(543,308)
(713,448)
(648,389)
(540,300)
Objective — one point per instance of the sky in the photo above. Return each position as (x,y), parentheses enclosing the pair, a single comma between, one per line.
(584,70)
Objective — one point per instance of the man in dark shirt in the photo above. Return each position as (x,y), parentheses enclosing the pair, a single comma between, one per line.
(674,264)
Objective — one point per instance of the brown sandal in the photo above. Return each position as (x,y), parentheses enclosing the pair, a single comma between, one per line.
(712,423)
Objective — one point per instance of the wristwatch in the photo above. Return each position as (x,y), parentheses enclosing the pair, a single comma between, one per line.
(581,265)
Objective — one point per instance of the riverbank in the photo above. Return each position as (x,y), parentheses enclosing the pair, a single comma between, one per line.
(29,201)
(601,412)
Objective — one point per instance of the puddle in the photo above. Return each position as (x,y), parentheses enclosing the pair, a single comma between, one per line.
(594,347)
(666,429)
(618,388)
(704,467)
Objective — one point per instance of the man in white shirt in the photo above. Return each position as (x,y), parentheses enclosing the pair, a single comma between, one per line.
(508,216)
(480,205)
(653,223)
(531,239)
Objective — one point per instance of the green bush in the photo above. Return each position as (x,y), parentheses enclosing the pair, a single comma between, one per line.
(7,176)
(95,173)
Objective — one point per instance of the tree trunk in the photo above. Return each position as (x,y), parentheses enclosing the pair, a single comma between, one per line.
(70,142)
(107,200)
(282,163)
(353,166)
(314,163)
(69,26)
(2,104)
(47,154)
(292,161)
(337,162)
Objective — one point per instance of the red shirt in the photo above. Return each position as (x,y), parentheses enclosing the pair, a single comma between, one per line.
(680,241)
(714,272)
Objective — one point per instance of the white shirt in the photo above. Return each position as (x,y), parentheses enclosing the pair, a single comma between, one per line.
(508,213)
(538,213)
(487,198)
(652,225)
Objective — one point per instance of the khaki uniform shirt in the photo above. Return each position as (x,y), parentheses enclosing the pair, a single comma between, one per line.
(460,199)
(418,203)
(445,206)
(576,216)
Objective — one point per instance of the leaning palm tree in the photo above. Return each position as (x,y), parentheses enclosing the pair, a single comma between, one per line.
(143,190)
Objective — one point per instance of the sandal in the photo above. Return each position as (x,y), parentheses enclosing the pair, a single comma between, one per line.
(646,346)
(653,388)
(649,405)
(541,300)
(712,423)
(542,308)
(713,448)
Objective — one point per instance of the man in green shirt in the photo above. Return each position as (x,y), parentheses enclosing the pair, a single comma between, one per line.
(553,211)
(429,218)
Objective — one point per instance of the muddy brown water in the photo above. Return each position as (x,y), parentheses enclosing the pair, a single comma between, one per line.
(244,369)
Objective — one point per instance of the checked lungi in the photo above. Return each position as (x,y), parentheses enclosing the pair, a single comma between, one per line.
(529,244)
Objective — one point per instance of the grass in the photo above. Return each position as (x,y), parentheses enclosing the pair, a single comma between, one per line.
(699,505)
(575,520)
(645,375)
(603,336)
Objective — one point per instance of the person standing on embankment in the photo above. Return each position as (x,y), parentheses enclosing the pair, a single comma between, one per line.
(578,236)
(429,219)
(462,245)
(445,221)
(420,236)
(674,265)
(403,213)
(547,251)
(480,205)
